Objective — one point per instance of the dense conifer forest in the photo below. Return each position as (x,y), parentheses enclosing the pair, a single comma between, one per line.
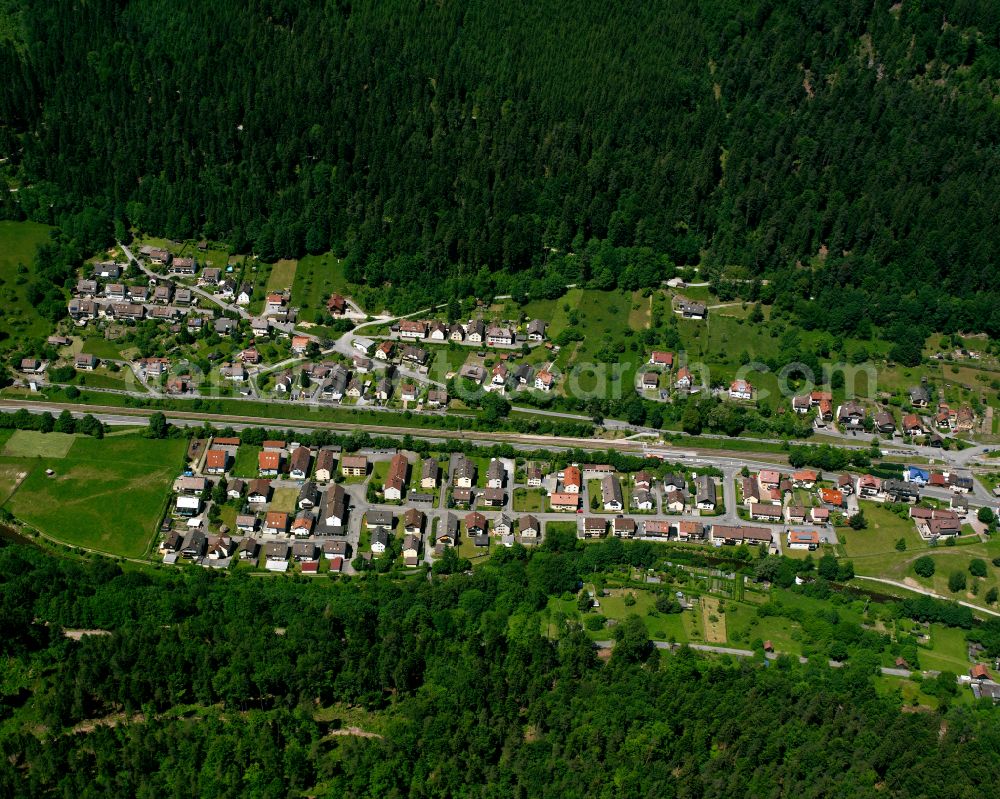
(844,149)
(213,685)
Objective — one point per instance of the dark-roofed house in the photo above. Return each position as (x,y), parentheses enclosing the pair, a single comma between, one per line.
(325,461)
(475,524)
(449,534)
(705,492)
(334,506)
(354,466)
(248,549)
(308,496)
(611,493)
(494,497)
(413,521)
(395,481)
(919,397)
(430,471)
(298,464)
(259,492)
(594,527)
(623,527)
(495,474)
(411,550)
(464,473)
(528,526)
(379,518)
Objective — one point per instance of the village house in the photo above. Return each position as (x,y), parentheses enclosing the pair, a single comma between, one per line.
(475,331)
(563,501)
(740,390)
(274,302)
(417,355)
(497,335)
(494,497)
(354,466)
(299,462)
(395,480)
(623,527)
(690,531)
(611,493)
(85,362)
(245,294)
(594,527)
(410,550)
(528,527)
(82,309)
(533,476)
(852,414)
(216,461)
(413,521)
(691,310)
(412,329)
(705,493)
(733,536)
(650,381)
(766,513)
(831,496)
(464,472)
(302,524)
(182,266)
(246,523)
(912,426)
(662,359)
(333,510)
(655,528)
(276,554)
(885,423)
(544,380)
(336,305)
(919,397)
(803,539)
(572,480)
(900,491)
(674,501)
(683,382)
(325,460)
(383,390)
(269,463)
(795,514)
(437,398)
(819,515)
(276,523)
(496,474)
(259,492)
(805,478)
(536,330)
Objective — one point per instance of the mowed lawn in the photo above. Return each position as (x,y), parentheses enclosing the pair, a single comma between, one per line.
(32,444)
(282,275)
(18,242)
(104,494)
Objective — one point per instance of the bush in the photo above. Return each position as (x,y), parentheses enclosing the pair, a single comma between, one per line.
(956,582)
(594,622)
(985,515)
(991,596)
(924,566)
(977,567)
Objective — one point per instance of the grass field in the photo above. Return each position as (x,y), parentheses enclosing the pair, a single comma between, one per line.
(282,275)
(31,444)
(529,500)
(11,474)
(245,463)
(105,494)
(102,348)
(316,277)
(18,242)
(284,499)
(947,651)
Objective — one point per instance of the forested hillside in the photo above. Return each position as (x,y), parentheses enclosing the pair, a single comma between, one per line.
(229,686)
(847,148)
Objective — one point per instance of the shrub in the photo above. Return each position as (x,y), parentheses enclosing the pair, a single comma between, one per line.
(977,567)
(956,582)
(924,566)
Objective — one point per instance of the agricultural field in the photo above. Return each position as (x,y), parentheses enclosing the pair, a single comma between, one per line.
(18,242)
(105,494)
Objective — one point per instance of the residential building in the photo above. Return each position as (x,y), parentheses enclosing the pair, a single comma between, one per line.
(395,481)
(611,493)
(354,466)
